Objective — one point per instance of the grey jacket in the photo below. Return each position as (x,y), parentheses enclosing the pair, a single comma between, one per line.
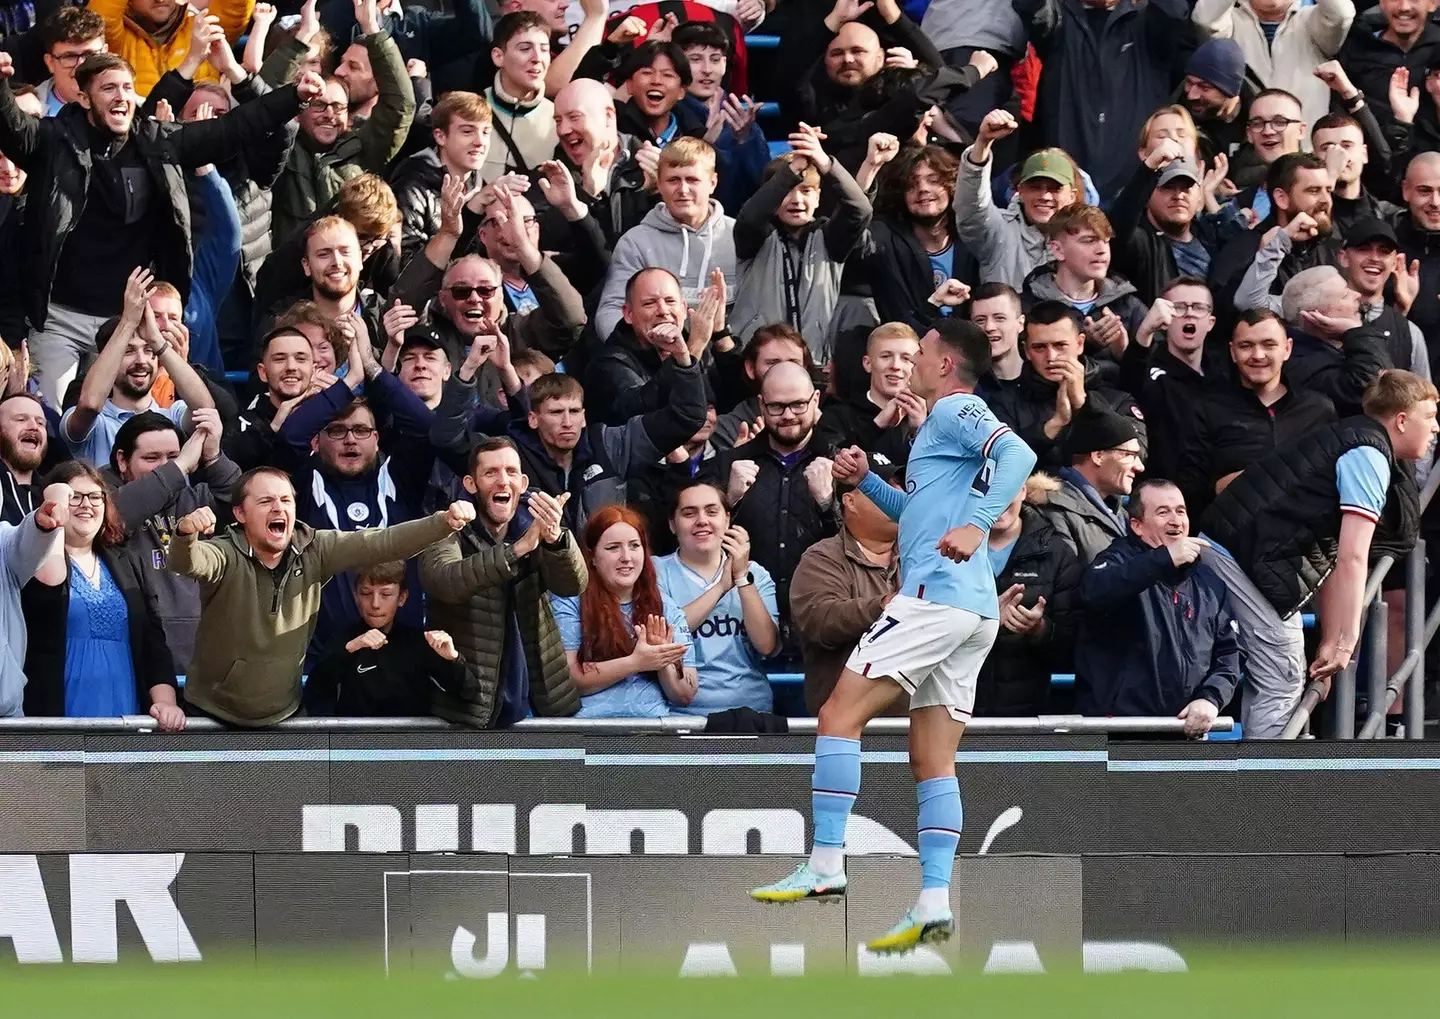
(816,257)
(1080,523)
(1007,247)
(150,507)
(23,547)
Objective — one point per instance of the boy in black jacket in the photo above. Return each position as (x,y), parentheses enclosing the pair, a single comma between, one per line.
(380,669)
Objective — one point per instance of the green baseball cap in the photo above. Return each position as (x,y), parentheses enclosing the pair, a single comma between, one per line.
(1051,164)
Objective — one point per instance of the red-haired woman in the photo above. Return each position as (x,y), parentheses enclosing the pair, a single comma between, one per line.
(96,648)
(629,650)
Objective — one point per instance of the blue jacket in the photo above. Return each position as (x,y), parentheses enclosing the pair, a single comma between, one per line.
(1154,637)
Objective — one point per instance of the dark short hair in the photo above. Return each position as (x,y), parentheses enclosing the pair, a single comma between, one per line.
(1135,505)
(690,483)
(1335,121)
(112,529)
(1272,93)
(490,445)
(701,33)
(512,24)
(1282,173)
(71,24)
(990,291)
(381,573)
(97,64)
(968,341)
(275,334)
(242,486)
(647,53)
(1254,316)
(1047,313)
(106,330)
(128,437)
(1185,281)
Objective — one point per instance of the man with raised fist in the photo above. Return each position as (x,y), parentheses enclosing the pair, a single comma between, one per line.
(260,584)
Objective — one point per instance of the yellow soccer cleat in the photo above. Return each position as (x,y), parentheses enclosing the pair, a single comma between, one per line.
(912,932)
(803,884)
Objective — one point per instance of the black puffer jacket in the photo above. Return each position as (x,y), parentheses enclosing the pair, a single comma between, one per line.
(55,152)
(1015,680)
(1280,519)
(1341,374)
(1028,404)
(416,183)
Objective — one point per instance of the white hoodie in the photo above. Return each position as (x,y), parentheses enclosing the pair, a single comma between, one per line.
(660,242)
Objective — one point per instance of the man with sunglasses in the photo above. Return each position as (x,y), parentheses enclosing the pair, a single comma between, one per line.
(362,461)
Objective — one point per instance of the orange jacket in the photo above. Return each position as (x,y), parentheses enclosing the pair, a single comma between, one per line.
(152,58)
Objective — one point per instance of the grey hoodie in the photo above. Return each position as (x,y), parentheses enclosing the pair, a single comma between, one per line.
(1007,247)
(23,547)
(660,242)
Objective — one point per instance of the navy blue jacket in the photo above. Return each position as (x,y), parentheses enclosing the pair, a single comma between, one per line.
(1154,637)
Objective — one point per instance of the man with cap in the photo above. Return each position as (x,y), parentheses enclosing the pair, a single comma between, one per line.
(1217,95)
(1370,257)
(1157,234)
(1396,35)
(1087,510)
(1010,243)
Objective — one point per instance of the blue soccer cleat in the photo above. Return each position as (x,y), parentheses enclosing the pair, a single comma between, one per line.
(804,883)
(912,932)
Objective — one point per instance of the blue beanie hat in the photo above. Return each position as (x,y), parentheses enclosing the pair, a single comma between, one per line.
(1221,63)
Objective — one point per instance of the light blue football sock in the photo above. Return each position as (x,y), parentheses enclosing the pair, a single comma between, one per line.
(940,823)
(833,786)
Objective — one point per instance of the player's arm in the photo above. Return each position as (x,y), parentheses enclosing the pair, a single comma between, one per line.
(1014,461)
(888,498)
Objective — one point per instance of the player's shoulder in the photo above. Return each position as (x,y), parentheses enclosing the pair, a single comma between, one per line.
(966,406)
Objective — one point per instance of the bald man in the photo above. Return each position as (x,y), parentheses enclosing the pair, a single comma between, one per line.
(779,485)
(854,56)
(1417,230)
(609,183)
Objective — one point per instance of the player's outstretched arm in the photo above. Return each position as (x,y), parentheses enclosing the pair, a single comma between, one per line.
(889,498)
(1014,461)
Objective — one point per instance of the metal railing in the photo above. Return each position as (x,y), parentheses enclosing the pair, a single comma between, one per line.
(1160,726)
(1408,679)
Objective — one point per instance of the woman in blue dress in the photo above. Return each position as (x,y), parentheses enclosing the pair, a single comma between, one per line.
(97,648)
(629,650)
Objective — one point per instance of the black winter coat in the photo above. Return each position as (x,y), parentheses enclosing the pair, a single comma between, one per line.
(1028,404)
(624,379)
(1340,374)
(1154,637)
(46,611)
(1015,679)
(1143,254)
(1229,265)
(1423,246)
(399,680)
(1171,395)
(55,152)
(852,423)
(901,278)
(1369,60)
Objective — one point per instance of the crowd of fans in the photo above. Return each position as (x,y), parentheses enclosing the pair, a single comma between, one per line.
(550,356)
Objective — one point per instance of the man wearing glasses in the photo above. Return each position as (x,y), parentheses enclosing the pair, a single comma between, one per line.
(343,480)
(70,35)
(1087,510)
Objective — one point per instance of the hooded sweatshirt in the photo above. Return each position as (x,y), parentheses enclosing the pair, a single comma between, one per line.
(23,548)
(659,241)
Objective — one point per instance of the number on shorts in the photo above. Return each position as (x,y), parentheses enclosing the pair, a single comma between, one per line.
(879,628)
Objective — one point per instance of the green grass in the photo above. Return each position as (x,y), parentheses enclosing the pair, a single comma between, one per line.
(1376,983)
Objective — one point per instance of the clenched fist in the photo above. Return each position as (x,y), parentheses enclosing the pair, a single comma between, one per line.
(200,521)
(742,475)
(55,510)
(459,514)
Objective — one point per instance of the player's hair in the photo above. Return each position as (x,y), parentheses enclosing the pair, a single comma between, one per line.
(686,151)
(993,289)
(490,445)
(890,331)
(308,313)
(512,24)
(1135,505)
(605,633)
(1283,172)
(1048,313)
(71,24)
(242,487)
(112,529)
(969,343)
(690,483)
(701,33)
(533,358)
(97,64)
(650,51)
(1074,218)
(368,204)
(461,106)
(639,274)
(554,387)
(128,437)
(381,573)
(1396,390)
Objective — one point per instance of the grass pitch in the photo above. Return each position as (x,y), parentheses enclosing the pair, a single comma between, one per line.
(1259,982)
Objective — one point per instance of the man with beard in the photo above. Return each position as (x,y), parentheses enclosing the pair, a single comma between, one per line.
(1057,381)
(1079,275)
(117,386)
(158,476)
(779,486)
(461,126)
(489,587)
(1369,260)
(342,478)
(524,120)
(260,587)
(23,445)
(330,149)
(1336,354)
(1248,418)
(114,199)
(916,249)
(286,366)
(1418,231)
(1158,233)
(332,261)
(1296,236)
(470,297)
(883,420)
(1217,95)
(1394,36)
